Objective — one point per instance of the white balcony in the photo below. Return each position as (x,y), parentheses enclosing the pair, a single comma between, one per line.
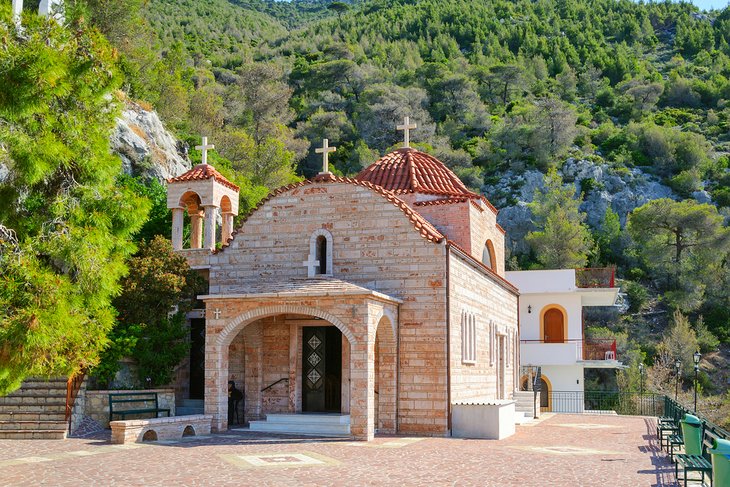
(593,353)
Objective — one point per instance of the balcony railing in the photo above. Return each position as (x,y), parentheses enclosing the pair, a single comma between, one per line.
(585,349)
(595,277)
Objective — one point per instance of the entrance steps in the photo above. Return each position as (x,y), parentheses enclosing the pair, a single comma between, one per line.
(35,411)
(304,424)
(524,402)
(189,407)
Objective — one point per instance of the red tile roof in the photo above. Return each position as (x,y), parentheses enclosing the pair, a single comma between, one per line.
(408,170)
(202,172)
(424,227)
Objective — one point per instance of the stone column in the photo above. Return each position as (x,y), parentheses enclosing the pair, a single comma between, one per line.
(362,388)
(216,383)
(227,227)
(209,227)
(177,228)
(196,230)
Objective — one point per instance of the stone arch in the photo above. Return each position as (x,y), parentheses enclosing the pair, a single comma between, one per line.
(149,435)
(554,307)
(225,204)
(489,257)
(188,431)
(313,250)
(385,385)
(241,321)
(387,313)
(191,201)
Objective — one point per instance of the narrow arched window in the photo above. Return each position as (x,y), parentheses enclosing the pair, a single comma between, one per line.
(488,257)
(322,254)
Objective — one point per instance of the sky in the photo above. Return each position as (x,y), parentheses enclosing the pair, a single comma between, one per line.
(708,4)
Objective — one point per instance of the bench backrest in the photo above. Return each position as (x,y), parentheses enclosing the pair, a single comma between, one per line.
(135,400)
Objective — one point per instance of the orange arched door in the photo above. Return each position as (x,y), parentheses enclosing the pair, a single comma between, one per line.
(554,330)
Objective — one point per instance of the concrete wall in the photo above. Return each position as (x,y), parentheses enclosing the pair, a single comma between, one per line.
(530,322)
(565,379)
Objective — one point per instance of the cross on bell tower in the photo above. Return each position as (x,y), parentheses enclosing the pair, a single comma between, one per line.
(204,147)
(406,128)
(325,151)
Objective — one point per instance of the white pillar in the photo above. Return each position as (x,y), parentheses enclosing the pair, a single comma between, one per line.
(209,227)
(51,8)
(227,228)
(177,228)
(17,10)
(196,231)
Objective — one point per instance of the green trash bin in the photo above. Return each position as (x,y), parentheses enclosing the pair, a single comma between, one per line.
(692,434)
(720,462)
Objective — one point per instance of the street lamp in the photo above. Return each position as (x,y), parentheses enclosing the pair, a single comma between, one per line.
(696,357)
(678,368)
(641,388)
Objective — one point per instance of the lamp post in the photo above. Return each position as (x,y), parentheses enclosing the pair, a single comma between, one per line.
(696,357)
(641,388)
(677,368)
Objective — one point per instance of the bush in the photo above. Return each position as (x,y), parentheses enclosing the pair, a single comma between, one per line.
(637,295)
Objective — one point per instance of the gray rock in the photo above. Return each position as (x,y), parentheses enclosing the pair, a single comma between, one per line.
(702,197)
(146,148)
(517,221)
(4,172)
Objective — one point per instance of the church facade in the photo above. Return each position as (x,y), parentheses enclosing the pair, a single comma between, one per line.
(381,297)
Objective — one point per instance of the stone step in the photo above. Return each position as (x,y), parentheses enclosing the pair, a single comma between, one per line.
(307,429)
(32,401)
(59,408)
(32,434)
(33,425)
(192,403)
(187,411)
(26,416)
(304,424)
(38,392)
(333,419)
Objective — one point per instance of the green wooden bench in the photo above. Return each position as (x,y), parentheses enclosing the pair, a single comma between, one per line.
(693,459)
(133,399)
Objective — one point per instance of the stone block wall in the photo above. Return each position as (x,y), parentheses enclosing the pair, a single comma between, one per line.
(495,309)
(96,403)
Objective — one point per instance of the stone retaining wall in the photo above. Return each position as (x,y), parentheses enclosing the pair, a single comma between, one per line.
(154,429)
(96,403)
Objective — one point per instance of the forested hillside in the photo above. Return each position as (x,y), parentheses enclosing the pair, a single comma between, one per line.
(601,97)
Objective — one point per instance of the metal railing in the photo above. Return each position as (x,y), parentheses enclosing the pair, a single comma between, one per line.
(587,348)
(595,277)
(605,402)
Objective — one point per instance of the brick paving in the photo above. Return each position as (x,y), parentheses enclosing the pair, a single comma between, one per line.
(561,450)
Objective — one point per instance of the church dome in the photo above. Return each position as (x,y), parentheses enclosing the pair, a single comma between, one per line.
(408,170)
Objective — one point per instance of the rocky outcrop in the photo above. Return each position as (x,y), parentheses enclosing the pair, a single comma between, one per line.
(146,148)
(621,189)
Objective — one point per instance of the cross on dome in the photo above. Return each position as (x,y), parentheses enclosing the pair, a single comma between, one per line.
(406,128)
(325,151)
(204,147)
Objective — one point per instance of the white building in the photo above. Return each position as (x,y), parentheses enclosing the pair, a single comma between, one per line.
(552,332)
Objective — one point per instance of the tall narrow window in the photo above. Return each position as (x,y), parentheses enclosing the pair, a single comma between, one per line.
(468,338)
(322,254)
(488,257)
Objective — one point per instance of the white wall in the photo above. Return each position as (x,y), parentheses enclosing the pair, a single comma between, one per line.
(530,322)
(548,281)
(565,379)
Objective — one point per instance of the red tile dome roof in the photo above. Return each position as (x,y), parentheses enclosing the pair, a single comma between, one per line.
(202,172)
(408,170)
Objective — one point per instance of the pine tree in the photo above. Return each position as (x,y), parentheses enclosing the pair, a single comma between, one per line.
(70,223)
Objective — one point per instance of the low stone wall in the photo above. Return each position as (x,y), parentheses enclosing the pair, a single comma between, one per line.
(154,429)
(96,404)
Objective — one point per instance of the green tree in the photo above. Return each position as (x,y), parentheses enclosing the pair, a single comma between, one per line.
(683,244)
(563,239)
(159,289)
(68,224)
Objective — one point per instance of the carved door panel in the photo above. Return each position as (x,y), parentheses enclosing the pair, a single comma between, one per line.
(321,369)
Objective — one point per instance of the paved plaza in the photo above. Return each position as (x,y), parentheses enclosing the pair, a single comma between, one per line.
(560,450)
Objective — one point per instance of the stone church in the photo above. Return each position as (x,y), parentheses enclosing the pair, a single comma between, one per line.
(378,300)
